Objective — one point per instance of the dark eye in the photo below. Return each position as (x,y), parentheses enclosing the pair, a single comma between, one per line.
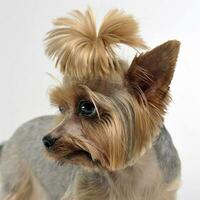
(86,108)
(61,109)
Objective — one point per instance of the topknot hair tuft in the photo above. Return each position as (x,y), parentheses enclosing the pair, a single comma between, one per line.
(81,52)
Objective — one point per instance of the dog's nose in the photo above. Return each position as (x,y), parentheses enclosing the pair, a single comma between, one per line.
(49,141)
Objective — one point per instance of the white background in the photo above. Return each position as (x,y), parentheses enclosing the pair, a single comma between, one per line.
(23,66)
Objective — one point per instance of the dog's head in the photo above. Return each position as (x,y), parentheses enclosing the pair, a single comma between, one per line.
(108,119)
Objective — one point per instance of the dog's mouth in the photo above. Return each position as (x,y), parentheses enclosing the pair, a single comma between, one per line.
(67,153)
(79,153)
(75,156)
(81,157)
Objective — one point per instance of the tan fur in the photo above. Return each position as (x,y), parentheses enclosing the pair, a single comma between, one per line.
(130,104)
(128,184)
(23,190)
(78,36)
(130,110)
(129,114)
(28,188)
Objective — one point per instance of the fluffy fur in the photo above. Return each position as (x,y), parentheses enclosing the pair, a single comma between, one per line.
(130,109)
(78,36)
(123,151)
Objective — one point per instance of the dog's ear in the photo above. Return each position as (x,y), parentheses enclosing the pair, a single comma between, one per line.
(152,72)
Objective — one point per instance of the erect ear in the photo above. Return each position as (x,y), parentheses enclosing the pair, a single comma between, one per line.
(152,72)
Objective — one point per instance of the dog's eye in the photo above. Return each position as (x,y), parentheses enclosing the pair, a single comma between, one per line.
(61,109)
(86,108)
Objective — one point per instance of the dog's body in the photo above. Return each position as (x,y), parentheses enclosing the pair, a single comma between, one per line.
(109,136)
(156,176)
(25,162)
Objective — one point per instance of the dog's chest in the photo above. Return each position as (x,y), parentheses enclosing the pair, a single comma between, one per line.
(143,181)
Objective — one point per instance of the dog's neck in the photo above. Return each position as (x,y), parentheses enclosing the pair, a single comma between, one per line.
(137,179)
(143,177)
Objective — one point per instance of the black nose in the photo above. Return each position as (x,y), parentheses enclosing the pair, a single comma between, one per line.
(48,141)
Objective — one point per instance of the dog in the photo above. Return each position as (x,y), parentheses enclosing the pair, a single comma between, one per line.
(108,141)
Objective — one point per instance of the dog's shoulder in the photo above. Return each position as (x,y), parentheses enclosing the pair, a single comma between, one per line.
(167,156)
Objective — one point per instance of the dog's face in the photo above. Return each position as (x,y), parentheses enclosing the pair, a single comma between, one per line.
(109,122)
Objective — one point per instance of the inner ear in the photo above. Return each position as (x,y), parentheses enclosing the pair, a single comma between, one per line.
(152,71)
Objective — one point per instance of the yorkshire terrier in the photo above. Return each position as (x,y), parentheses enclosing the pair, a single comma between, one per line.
(109,141)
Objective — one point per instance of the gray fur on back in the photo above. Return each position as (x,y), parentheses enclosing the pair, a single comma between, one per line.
(167,156)
(25,148)
(1,147)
